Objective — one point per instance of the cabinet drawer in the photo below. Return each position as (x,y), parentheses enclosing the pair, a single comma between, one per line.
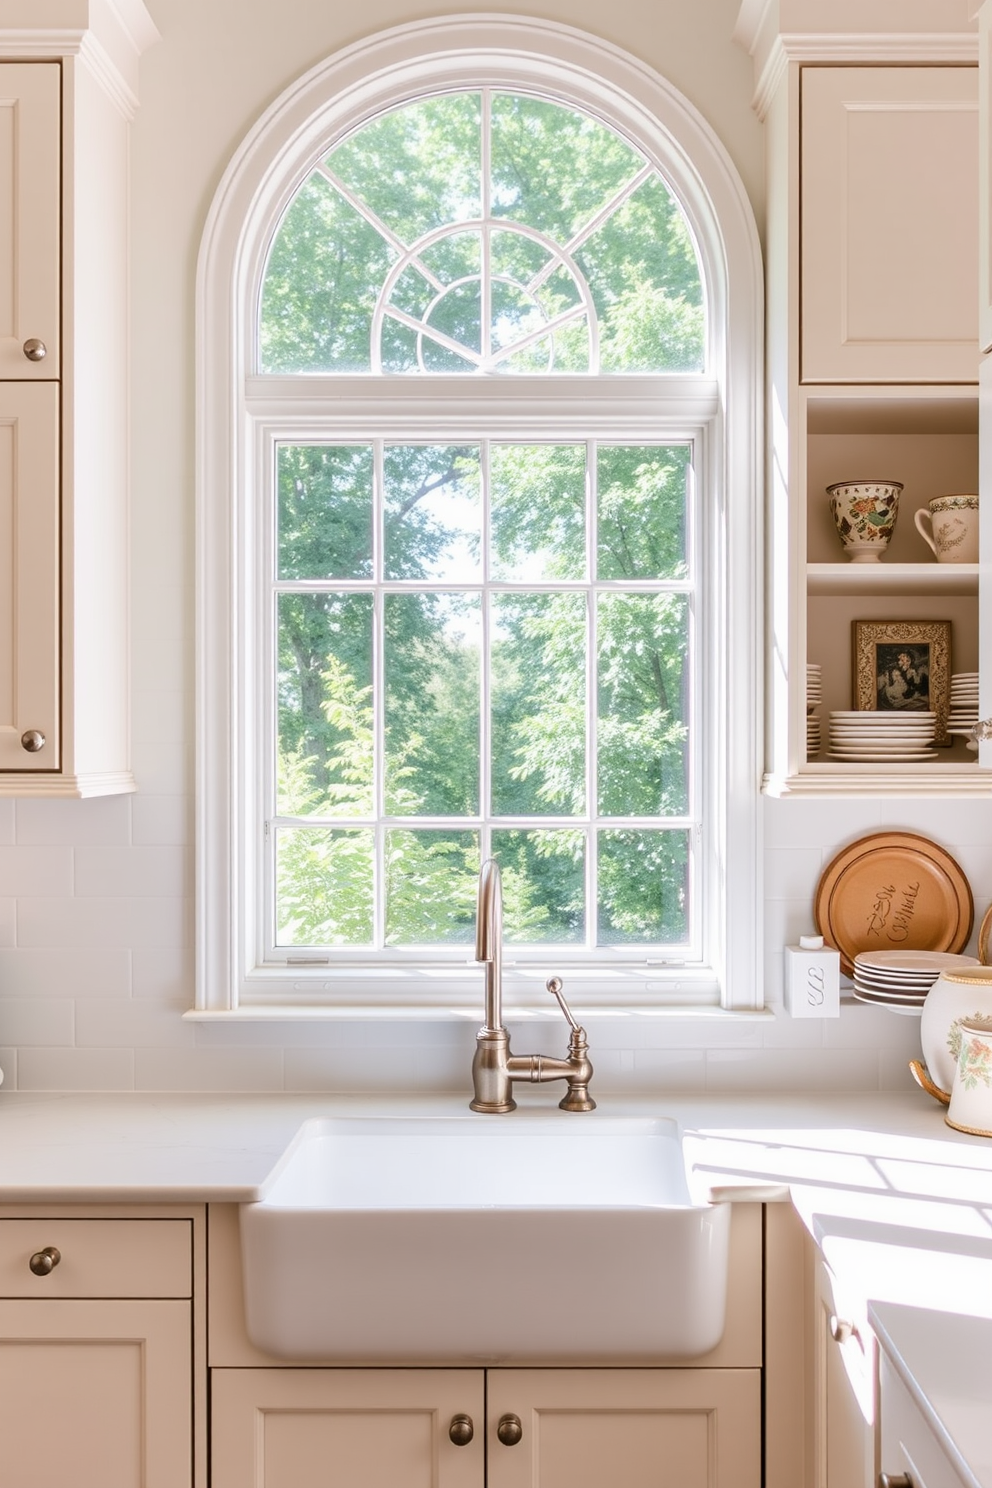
(97,1258)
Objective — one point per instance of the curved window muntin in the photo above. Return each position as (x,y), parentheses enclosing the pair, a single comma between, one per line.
(657,151)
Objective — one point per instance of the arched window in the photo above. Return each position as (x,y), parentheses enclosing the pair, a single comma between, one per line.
(469,308)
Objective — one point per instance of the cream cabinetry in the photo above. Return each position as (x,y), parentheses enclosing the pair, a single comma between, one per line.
(275,1423)
(67,93)
(96,1349)
(873,360)
(819,1367)
(889,224)
(538,1428)
(908,1448)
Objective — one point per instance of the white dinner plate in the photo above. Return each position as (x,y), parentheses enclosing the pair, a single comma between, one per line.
(865,757)
(893,1007)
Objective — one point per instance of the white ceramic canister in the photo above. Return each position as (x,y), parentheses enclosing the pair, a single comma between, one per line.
(963,993)
(970,1109)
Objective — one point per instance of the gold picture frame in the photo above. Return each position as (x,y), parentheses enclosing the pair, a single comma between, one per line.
(903,665)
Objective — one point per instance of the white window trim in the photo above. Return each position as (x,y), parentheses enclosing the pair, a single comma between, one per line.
(723,411)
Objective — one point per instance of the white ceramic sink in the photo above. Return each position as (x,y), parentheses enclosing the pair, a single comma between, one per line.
(473,1239)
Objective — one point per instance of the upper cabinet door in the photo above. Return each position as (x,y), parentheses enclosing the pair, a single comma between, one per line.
(889,219)
(29,220)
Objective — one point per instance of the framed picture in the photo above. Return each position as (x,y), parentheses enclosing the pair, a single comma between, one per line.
(903,666)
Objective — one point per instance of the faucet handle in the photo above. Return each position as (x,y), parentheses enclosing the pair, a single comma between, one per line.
(554,985)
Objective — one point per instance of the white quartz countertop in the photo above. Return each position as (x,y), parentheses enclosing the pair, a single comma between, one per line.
(899,1204)
(876,1158)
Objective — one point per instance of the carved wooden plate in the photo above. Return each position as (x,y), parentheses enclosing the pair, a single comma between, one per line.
(893,891)
(984,935)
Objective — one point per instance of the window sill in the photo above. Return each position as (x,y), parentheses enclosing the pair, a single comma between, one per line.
(407,1013)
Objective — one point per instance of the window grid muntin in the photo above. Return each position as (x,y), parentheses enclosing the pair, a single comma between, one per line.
(653,165)
(589,823)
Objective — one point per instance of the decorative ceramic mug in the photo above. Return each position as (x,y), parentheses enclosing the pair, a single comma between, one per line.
(970,1109)
(864,513)
(950,528)
(966,994)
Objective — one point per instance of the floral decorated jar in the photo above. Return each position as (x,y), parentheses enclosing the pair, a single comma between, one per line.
(864,514)
(965,993)
(971,1098)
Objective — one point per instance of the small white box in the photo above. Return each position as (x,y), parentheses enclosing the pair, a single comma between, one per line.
(812,979)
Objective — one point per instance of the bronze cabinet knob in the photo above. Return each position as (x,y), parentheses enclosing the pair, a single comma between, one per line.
(461,1430)
(43,1262)
(509,1430)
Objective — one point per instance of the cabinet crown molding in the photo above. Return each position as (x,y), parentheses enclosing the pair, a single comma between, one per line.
(853,32)
(109,34)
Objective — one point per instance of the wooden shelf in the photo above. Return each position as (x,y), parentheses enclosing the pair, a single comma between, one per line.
(837,779)
(892,578)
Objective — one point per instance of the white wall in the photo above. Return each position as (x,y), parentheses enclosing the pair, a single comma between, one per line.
(95,896)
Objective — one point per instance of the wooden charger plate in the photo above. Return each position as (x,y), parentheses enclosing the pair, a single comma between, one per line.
(893,891)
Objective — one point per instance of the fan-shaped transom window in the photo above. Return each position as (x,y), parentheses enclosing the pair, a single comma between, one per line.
(487,232)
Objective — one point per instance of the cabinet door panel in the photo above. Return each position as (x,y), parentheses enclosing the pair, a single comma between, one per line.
(376,1428)
(29,217)
(96,1394)
(643,1428)
(29,574)
(889,224)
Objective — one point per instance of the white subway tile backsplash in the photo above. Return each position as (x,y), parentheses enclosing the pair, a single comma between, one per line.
(106,1023)
(6,822)
(35,870)
(75,1069)
(31,971)
(103,821)
(792,871)
(36,1020)
(8,1068)
(161,819)
(791,1071)
(164,972)
(160,717)
(163,769)
(230,1070)
(119,922)
(8,922)
(137,872)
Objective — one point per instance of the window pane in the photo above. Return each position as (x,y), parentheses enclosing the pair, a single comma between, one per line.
(538,511)
(418,167)
(431,885)
(643,887)
(321,284)
(554,168)
(324,887)
(433,512)
(433,645)
(325,511)
(543,886)
(642,729)
(538,662)
(642,504)
(642,269)
(325,717)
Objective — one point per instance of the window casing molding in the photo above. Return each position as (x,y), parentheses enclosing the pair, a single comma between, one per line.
(236,408)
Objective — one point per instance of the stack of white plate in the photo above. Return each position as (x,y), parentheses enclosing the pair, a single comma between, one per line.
(964,704)
(900,980)
(882,738)
(814,697)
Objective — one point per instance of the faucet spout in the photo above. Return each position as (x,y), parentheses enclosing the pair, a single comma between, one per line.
(489,941)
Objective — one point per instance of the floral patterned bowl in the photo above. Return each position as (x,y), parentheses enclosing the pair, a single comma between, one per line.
(864,513)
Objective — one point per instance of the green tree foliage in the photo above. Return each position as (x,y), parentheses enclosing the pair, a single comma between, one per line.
(569,203)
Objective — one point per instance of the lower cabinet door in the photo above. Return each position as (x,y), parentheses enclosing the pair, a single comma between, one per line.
(638,1428)
(363,1428)
(97,1394)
